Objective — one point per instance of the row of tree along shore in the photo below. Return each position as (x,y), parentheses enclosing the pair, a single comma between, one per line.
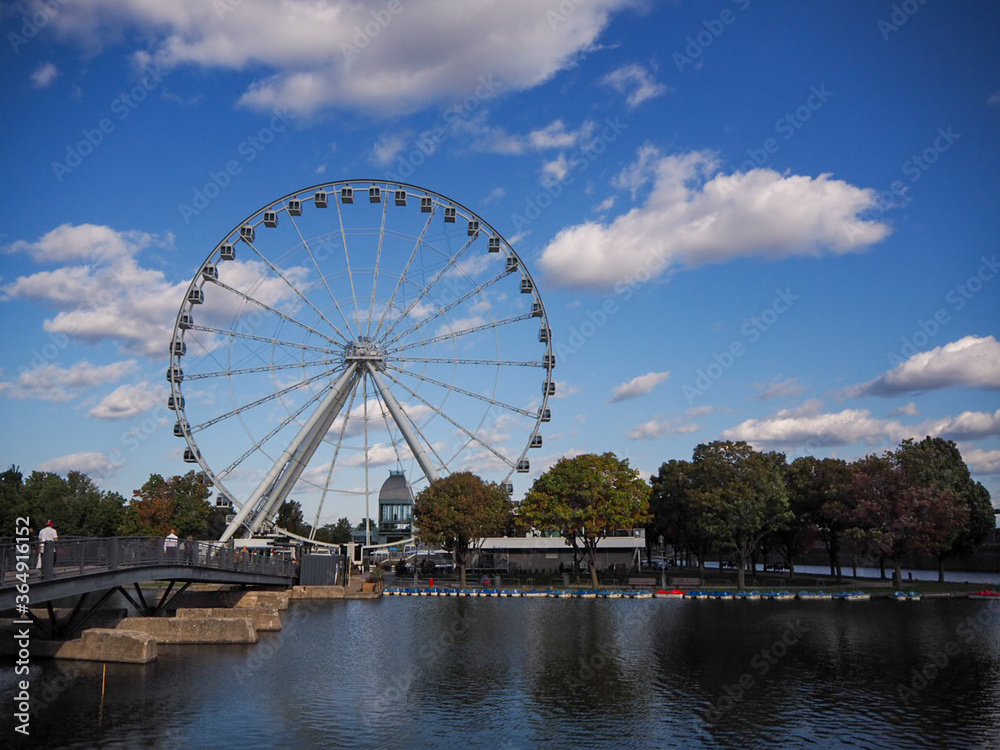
(732,500)
(78,507)
(729,499)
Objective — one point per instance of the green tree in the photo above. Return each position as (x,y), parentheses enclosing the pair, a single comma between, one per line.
(585,498)
(742,496)
(76,505)
(291,519)
(936,463)
(673,515)
(894,517)
(458,512)
(180,503)
(819,494)
(338,533)
(14,502)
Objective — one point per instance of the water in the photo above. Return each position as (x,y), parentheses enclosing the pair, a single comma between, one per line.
(517,673)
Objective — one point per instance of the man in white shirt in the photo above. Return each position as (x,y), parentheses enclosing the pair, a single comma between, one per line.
(47,534)
(170,542)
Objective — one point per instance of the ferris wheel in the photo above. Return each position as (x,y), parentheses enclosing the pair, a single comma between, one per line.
(353,325)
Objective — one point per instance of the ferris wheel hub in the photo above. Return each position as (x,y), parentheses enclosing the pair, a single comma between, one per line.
(364,349)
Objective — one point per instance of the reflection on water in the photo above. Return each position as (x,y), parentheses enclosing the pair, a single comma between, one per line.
(513,673)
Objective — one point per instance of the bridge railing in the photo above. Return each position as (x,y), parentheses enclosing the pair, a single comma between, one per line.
(76,557)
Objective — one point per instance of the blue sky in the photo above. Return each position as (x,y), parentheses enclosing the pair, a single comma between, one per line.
(774,222)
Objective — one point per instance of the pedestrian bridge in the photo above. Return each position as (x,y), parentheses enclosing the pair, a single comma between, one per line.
(83,567)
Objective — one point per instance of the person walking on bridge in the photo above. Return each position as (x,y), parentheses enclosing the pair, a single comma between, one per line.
(47,534)
(170,543)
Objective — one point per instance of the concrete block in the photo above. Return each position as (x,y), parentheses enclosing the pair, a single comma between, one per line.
(193,629)
(317,592)
(260,619)
(264,599)
(102,644)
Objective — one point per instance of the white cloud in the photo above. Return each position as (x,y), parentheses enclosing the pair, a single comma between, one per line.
(969,425)
(112,297)
(696,214)
(639,173)
(605,205)
(655,428)
(909,410)
(982,461)
(700,411)
(54,383)
(994,99)
(805,426)
(379,454)
(459,324)
(972,362)
(638,386)
(91,463)
(87,242)
(44,75)
(555,135)
(778,389)
(434,51)
(555,170)
(635,82)
(494,195)
(564,389)
(128,401)
(387,148)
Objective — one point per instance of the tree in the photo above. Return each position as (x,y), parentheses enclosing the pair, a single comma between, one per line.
(179,503)
(13,501)
(936,463)
(291,519)
(369,524)
(458,512)
(742,495)
(585,498)
(76,505)
(674,517)
(894,518)
(338,533)
(819,494)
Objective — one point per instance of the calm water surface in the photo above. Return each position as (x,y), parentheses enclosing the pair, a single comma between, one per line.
(518,673)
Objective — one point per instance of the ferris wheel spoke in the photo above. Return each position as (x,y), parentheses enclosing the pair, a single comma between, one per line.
(409,261)
(265,399)
(440,274)
(464,332)
(444,416)
(261,339)
(378,264)
(451,305)
(347,261)
(319,272)
(264,368)
(463,391)
(454,361)
(283,316)
(294,288)
(281,425)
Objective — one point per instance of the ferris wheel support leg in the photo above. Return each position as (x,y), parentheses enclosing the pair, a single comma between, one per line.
(305,442)
(301,458)
(404,425)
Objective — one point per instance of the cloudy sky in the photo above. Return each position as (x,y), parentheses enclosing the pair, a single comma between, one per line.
(774,222)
